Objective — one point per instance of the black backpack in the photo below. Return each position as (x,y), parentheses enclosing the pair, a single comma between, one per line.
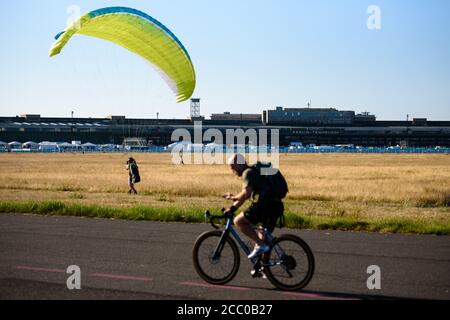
(135,171)
(276,180)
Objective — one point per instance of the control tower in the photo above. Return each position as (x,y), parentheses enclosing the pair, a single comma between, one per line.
(195,109)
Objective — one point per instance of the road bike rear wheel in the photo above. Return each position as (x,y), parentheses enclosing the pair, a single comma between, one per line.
(224,267)
(290,263)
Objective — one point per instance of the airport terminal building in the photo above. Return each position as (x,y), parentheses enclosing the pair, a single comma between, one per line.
(307,125)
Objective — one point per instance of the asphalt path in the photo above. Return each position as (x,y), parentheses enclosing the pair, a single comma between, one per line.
(147,260)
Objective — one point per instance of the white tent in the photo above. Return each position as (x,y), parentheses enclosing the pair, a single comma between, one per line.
(3,146)
(48,146)
(89,146)
(15,145)
(107,147)
(179,146)
(68,147)
(65,145)
(30,145)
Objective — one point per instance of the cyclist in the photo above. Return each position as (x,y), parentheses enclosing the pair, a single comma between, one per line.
(265,209)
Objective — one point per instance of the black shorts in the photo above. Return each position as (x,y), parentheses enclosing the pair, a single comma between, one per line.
(266,213)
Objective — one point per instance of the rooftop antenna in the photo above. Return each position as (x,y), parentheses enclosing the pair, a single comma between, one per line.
(72,126)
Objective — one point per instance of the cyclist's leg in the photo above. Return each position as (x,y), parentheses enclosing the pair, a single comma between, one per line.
(244,224)
(260,232)
(271,213)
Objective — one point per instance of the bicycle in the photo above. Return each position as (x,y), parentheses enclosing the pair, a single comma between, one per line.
(289,265)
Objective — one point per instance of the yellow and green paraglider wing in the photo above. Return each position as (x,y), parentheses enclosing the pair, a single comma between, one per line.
(142,35)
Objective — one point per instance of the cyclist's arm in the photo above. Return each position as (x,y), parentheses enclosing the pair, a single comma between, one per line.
(240,198)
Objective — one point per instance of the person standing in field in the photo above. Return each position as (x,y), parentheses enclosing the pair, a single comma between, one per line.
(133,172)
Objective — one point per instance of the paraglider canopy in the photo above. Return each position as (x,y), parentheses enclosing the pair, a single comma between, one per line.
(142,35)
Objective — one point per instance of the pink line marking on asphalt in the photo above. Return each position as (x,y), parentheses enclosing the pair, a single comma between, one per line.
(102,275)
(40,269)
(120,277)
(206,285)
(316,296)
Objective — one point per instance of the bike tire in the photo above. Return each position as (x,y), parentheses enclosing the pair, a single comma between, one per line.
(276,277)
(200,265)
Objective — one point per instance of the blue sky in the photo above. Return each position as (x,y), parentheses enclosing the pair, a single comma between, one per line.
(249,56)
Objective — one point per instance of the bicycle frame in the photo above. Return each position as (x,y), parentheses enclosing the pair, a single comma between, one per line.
(279,256)
(229,230)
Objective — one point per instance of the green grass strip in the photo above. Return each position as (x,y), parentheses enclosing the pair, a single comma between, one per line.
(195,215)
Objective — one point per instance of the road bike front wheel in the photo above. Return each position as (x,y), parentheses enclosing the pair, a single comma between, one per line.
(215,264)
(290,263)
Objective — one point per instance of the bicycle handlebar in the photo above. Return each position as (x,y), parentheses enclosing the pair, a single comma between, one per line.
(211,217)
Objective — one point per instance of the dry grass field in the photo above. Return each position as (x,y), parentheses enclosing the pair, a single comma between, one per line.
(356,186)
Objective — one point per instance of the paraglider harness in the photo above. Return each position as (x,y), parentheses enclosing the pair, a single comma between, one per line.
(278,187)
